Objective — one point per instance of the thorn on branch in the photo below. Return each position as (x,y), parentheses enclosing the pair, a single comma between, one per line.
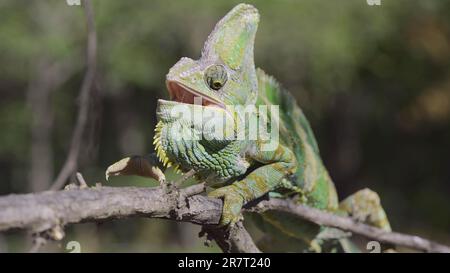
(80,179)
(185,177)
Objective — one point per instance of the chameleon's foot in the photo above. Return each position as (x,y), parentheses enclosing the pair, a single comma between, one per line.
(232,205)
(145,166)
(365,206)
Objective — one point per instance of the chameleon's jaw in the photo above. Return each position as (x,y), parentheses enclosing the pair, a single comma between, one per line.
(183,94)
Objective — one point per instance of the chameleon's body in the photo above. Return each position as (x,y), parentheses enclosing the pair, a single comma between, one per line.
(242,170)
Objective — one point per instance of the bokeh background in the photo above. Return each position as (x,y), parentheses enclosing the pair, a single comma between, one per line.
(374,82)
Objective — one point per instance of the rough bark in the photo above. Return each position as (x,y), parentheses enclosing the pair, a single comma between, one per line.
(48,212)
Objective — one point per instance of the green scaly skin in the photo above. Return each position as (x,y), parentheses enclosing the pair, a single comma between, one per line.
(242,170)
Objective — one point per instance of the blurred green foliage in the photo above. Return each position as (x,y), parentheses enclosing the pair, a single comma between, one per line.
(373,80)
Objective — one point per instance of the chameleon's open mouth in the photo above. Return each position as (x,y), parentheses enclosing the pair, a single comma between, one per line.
(183,94)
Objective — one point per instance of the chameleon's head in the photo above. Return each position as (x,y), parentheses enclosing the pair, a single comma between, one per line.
(225,73)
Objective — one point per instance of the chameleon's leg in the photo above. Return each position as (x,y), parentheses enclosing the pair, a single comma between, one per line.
(279,164)
(146,166)
(365,206)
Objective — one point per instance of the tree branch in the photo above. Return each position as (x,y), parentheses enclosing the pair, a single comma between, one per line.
(44,212)
(70,165)
(348,224)
(236,240)
(49,211)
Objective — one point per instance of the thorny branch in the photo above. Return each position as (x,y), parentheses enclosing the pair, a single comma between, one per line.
(48,212)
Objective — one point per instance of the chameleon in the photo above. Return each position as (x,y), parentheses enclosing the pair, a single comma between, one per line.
(223,84)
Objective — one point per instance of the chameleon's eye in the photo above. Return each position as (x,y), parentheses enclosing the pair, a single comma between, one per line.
(216,76)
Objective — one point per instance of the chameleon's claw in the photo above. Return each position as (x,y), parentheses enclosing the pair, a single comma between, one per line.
(232,205)
(136,165)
